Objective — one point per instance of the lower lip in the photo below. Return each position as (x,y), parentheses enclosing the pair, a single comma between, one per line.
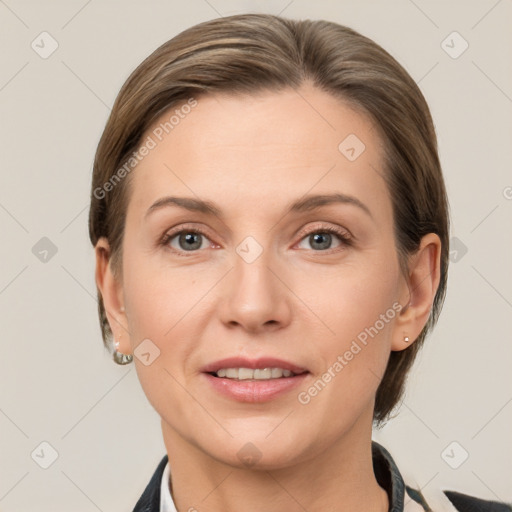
(254,390)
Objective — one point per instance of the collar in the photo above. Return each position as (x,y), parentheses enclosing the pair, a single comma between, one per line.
(402,498)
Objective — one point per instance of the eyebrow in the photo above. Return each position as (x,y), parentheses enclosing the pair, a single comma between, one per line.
(304,204)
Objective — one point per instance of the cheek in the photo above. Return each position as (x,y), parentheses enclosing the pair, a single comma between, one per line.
(159,305)
(356,308)
(148,301)
(351,298)
(157,297)
(169,307)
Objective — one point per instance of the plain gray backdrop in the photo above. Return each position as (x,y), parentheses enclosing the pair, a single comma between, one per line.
(62,64)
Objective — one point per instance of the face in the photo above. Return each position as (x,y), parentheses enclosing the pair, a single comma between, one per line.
(271,278)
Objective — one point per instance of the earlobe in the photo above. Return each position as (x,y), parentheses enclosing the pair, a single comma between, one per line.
(111,291)
(421,287)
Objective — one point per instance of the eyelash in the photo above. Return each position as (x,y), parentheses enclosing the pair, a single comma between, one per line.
(343,235)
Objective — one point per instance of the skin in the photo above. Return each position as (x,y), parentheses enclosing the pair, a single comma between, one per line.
(252,156)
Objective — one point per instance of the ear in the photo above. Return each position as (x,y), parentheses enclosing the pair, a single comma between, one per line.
(111,289)
(418,292)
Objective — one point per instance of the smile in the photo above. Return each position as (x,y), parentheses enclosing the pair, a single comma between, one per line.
(253,374)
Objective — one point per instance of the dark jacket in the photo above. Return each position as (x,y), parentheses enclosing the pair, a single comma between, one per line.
(388,477)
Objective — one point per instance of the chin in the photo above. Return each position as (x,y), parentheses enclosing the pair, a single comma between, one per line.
(260,452)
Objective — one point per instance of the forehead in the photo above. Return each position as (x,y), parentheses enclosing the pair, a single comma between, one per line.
(234,150)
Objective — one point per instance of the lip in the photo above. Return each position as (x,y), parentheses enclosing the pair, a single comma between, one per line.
(261,362)
(252,390)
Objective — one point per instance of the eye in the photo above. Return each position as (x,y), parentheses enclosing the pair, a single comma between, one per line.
(186,240)
(321,238)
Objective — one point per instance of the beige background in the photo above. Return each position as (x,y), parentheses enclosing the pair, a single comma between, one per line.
(58,385)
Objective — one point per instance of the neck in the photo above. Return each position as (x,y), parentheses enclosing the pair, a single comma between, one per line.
(340,478)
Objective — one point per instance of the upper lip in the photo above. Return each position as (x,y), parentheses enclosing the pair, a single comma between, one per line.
(261,362)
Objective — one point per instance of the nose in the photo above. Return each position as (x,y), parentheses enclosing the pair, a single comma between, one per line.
(255,296)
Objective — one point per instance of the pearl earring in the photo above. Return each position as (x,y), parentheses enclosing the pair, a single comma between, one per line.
(406,339)
(119,357)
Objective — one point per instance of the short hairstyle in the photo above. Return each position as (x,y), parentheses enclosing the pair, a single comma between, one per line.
(250,53)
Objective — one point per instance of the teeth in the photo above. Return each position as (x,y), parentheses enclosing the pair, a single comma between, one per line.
(244,373)
(266,373)
(257,374)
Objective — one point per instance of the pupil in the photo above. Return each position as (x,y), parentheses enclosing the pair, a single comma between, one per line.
(318,237)
(190,239)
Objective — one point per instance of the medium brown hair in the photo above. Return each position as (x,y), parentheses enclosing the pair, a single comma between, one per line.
(255,52)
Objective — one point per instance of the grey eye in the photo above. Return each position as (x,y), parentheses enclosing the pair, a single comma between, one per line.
(187,241)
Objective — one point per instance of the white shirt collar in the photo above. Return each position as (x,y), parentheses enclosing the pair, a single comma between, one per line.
(166,501)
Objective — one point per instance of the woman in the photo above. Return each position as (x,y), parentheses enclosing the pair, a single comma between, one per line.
(271,230)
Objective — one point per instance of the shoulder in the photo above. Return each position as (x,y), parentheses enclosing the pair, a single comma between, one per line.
(447,500)
(443,500)
(467,503)
(408,496)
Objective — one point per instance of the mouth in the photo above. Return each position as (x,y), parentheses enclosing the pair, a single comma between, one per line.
(254,374)
(262,368)
(257,380)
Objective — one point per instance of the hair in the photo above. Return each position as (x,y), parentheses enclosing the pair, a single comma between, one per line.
(251,53)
